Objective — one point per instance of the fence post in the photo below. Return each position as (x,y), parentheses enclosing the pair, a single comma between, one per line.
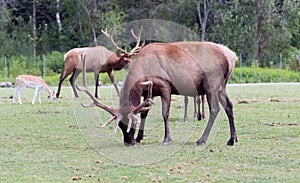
(5,67)
(241,67)
(280,59)
(44,66)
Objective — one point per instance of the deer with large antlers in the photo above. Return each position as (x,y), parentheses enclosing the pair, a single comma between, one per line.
(98,60)
(165,69)
(35,82)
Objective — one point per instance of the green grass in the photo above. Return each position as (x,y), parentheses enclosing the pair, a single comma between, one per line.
(60,142)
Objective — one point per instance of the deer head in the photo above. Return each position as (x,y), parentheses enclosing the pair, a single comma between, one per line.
(126,121)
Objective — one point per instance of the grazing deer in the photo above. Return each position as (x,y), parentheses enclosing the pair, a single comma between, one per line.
(165,69)
(35,82)
(98,60)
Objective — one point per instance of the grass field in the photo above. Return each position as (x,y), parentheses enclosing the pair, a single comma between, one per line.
(61,142)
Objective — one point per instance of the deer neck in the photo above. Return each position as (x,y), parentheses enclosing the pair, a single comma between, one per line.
(47,89)
(130,95)
(117,61)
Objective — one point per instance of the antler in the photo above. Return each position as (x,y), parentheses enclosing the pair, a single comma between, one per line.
(137,47)
(109,35)
(146,105)
(115,114)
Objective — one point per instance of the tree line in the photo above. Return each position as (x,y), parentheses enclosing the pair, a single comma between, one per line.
(258,29)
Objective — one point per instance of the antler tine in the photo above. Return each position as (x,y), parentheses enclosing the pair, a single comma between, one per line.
(142,107)
(85,88)
(116,116)
(105,32)
(109,35)
(87,106)
(131,118)
(109,121)
(137,47)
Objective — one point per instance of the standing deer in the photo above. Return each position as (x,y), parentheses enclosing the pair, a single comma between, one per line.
(98,60)
(162,69)
(197,114)
(34,82)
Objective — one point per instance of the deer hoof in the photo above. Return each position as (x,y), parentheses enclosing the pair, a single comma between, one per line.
(231,141)
(185,120)
(128,144)
(197,116)
(166,141)
(200,142)
(138,140)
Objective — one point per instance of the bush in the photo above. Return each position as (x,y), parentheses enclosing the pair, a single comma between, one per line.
(54,66)
(263,75)
(55,61)
(24,65)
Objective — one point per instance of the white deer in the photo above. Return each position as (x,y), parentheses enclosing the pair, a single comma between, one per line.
(35,82)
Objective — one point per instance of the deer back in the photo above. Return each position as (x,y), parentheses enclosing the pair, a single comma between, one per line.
(166,65)
(210,55)
(95,58)
(30,81)
(185,66)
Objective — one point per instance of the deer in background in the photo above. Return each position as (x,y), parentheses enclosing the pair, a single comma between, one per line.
(98,60)
(35,82)
(165,69)
(197,114)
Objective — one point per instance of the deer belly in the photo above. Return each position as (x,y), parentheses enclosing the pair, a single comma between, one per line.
(186,88)
(31,85)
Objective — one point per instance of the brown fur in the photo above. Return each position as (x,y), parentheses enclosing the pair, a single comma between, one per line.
(184,68)
(98,60)
(165,69)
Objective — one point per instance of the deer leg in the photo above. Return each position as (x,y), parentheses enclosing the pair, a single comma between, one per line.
(144,115)
(227,105)
(40,101)
(15,94)
(18,92)
(203,117)
(214,109)
(72,81)
(61,79)
(34,96)
(197,113)
(186,102)
(112,79)
(140,135)
(166,101)
(96,77)
(19,95)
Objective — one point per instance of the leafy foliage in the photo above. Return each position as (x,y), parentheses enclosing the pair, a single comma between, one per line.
(263,75)
(231,23)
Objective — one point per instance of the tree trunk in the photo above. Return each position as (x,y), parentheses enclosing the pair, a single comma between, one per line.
(80,27)
(58,17)
(203,19)
(93,20)
(34,28)
(260,32)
